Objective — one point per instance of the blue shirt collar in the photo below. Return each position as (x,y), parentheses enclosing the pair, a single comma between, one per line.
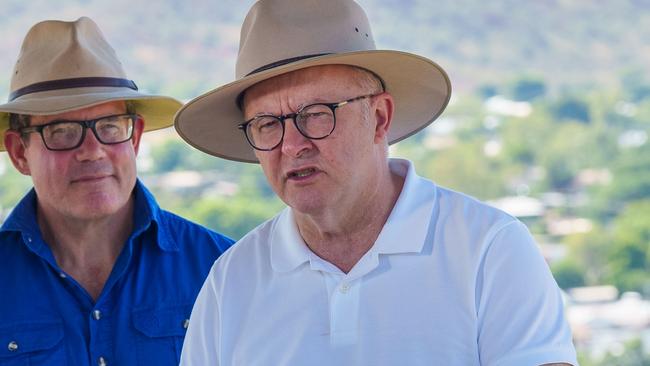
(146,214)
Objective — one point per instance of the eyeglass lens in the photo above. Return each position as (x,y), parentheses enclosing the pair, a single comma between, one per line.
(314,122)
(65,135)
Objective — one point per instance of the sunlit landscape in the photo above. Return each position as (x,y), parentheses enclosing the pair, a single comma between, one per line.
(549,121)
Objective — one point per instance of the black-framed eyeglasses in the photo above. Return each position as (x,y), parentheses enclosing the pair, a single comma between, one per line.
(63,135)
(314,121)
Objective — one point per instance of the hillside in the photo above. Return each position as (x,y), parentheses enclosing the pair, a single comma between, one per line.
(186,47)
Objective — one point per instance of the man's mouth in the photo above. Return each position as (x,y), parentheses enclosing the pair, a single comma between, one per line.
(89,178)
(301,173)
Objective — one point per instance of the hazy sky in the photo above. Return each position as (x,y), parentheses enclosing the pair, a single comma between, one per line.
(155,27)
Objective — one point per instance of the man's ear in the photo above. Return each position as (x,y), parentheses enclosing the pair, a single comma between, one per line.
(383,107)
(138,129)
(15,146)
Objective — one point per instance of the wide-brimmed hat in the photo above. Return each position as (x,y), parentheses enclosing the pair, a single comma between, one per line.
(280,36)
(64,66)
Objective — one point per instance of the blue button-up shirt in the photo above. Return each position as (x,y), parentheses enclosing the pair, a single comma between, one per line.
(47,318)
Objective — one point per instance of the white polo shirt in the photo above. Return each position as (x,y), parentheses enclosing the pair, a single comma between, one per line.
(449,281)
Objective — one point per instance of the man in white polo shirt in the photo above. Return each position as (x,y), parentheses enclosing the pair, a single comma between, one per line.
(369,264)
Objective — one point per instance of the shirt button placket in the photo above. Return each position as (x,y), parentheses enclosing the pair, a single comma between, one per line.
(344,317)
(97,347)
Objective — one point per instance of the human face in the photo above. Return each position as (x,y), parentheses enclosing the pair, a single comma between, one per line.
(339,171)
(90,182)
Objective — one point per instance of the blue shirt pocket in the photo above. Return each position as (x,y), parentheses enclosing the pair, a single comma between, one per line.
(32,343)
(161,329)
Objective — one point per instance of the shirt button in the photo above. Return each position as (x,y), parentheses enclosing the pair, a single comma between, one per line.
(101,361)
(12,346)
(344,288)
(186,323)
(62,275)
(97,315)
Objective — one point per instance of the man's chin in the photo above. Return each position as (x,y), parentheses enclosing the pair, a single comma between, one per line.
(309,206)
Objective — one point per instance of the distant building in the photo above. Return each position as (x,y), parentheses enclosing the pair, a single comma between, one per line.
(520,206)
(602,322)
(506,107)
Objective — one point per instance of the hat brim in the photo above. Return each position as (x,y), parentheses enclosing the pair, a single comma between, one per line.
(420,87)
(157,111)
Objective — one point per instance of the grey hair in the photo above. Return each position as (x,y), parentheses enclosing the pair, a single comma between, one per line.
(18,121)
(130,106)
(372,84)
(368,80)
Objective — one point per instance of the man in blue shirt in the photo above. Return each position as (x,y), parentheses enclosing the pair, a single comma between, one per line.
(94,272)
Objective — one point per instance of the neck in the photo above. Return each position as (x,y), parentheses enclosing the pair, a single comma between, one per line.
(344,235)
(87,249)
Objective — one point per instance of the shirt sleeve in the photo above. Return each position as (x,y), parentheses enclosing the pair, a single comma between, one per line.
(520,308)
(202,339)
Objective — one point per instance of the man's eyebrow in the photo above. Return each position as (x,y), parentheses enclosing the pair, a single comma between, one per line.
(260,114)
(315,100)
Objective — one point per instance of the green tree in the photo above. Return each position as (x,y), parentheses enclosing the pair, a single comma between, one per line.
(629,254)
(568,149)
(568,273)
(232,216)
(169,155)
(633,355)
(13,185)
(636,84)
(465,168)
(631,173)
(528,88)
(524,139)
(486,91)
(572,109)
(588,253)
(172,153)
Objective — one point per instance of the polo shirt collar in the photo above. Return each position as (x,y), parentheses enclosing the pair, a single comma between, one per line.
(405,230)
(288,249)
(146,213)
(407,226)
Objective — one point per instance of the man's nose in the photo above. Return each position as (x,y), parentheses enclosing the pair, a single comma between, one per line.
(294,143)
(90,148)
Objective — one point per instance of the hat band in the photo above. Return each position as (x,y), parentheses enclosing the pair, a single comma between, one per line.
(238,101)
(72,83)
(284,62)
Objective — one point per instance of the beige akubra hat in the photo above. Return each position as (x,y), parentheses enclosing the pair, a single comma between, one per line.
(280,36)
(64,66)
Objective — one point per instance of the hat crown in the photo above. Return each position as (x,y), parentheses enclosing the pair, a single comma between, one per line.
(55,50)
(66,66)
(275,31)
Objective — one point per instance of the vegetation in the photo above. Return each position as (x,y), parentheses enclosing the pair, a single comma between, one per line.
(579,123)
(632,354)
(579,140)
(183,49)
